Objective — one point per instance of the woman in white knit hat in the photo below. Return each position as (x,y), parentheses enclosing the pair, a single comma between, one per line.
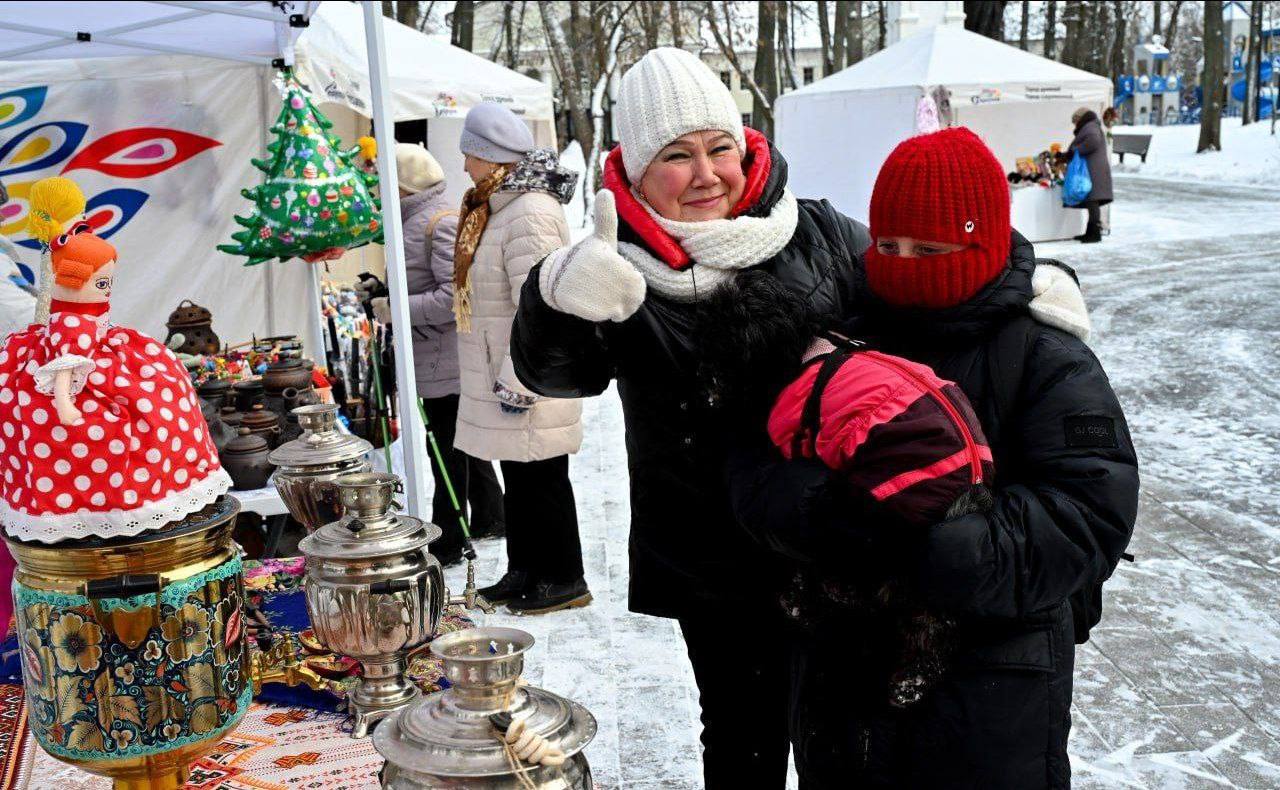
(510,219)
(698,199)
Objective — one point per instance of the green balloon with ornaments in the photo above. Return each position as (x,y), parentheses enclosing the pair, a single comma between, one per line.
(318,198)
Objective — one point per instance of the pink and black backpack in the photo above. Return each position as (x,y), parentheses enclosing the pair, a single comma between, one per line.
(905,437)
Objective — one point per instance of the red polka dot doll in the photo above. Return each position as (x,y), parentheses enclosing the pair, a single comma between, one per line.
(100,429)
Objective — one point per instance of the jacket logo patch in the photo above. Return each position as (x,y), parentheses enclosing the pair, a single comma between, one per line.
(1090,431)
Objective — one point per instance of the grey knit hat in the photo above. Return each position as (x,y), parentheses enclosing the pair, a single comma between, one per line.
(495,134)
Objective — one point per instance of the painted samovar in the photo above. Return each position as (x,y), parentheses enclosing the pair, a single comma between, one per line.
(307,467)
(374,591)
(133,652)
(487,731)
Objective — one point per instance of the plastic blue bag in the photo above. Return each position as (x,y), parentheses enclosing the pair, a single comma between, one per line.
(1077,185)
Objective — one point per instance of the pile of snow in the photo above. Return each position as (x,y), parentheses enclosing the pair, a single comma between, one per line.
(1249,155)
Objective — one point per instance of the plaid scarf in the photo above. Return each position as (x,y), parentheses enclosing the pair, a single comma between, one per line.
(471,223)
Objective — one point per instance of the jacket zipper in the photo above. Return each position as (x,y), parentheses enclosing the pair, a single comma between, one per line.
(970,445)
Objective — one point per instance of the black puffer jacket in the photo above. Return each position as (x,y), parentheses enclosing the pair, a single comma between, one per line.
(1022,581)
(686,551)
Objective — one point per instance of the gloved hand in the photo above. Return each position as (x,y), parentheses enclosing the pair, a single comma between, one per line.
(1058,301)
(381,307)
(369,286)
(510,401)
(590,279)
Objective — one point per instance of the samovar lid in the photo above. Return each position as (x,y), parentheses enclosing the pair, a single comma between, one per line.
(369,528)
(321,443)
(450,733)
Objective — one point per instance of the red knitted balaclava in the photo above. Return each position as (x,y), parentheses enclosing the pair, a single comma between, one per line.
(946,187)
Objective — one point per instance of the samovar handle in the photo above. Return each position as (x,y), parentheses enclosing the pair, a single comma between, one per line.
(130,626)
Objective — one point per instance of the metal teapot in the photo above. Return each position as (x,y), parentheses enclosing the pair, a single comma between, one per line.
(307,467)
(454,738)
(374,591)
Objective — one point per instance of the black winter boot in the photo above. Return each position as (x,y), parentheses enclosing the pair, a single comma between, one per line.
(1092,233)
(551,597)
(511,586)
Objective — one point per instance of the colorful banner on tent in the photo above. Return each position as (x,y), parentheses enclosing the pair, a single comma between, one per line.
(161,148)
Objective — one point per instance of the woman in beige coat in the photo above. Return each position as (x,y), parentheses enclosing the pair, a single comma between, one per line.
(509,221)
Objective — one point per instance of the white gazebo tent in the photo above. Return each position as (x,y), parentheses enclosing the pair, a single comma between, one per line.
(837,132)
(260,33)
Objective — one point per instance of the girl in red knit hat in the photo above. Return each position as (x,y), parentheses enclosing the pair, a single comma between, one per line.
(1019,582)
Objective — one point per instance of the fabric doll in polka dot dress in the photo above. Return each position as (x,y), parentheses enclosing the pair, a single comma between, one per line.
(100,429)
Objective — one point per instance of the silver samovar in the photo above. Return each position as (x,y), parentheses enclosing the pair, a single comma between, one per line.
(374,591)
(307,467)
(488,731)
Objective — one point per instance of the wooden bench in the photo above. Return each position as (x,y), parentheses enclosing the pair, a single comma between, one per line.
(1137,144)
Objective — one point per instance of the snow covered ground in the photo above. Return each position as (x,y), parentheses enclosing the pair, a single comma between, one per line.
(1249,155)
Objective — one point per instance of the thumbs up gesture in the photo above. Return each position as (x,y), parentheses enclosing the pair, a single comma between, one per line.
(590,279)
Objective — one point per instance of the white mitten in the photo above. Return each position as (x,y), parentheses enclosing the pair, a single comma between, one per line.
(1058,301)
(381,306)
(590,279)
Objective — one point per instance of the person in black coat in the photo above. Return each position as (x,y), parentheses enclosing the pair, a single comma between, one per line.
(691,197)
(1091,142)
(1022,581)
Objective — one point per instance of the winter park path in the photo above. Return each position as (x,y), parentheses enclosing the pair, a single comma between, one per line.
(1180,687)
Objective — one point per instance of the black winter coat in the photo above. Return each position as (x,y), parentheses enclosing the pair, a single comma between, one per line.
(1091,142)
(1022,581)
(687,553)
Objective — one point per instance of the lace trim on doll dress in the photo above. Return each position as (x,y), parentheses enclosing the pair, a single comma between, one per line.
(114,523)
(79,366)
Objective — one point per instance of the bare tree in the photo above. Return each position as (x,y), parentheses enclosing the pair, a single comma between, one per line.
(724,31)
(407,13)
(1156,8)
(1026,17)
(985,17)
(1252,63)
(677,25)
(1211,80)
(766,66)
(1051,29)
(782,14)
(883,24)
(856,34)
(824,38)
(462,21)
(650,15)
(1171,34)
(1117,41)
(840,34)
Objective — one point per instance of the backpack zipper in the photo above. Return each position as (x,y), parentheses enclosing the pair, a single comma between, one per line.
(970,444)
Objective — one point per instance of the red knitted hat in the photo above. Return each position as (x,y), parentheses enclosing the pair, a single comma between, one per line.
(947,187)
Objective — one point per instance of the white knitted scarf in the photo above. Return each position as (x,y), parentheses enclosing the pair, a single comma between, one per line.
(719,248)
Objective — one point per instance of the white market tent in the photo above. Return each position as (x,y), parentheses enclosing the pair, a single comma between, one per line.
(838,131)
(164,56)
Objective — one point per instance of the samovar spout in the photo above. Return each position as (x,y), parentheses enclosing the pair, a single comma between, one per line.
(471,599)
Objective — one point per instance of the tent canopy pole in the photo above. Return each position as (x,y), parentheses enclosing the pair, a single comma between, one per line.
(413,439)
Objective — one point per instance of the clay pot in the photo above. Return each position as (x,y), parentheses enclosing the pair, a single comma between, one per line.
(245,459)
(247,394)
(263,423)
(217,392)
(219,431)
(286,373)
(195,324)
(230,416)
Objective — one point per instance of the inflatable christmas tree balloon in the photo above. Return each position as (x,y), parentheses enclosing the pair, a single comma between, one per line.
(316,201)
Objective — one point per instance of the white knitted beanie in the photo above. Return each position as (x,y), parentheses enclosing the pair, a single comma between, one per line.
(416,169)
(666,94)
